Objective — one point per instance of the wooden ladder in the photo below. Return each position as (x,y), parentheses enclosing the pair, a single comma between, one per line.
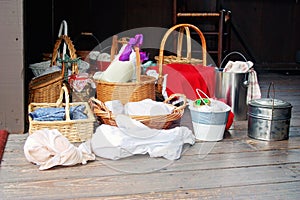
(214,25)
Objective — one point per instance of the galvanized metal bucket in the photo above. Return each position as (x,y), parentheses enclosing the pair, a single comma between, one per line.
(232,88)
(269,119)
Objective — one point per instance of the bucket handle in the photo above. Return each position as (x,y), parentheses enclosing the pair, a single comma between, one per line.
(211,117)
(269,89)
(198,90)
(268,96)
(233,52)
(245,82)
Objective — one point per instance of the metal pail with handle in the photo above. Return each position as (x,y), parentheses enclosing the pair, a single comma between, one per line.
(231,88)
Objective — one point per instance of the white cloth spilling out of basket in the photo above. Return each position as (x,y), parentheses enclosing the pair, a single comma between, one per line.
(146,107)
(49,148)
(131,137)
(118,71)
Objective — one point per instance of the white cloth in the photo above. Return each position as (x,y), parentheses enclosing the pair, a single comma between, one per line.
(147,107)
(215,106)
(96,55)
(115,106)
(49,148)
(132,137)
(154,74)
(253,90)
(117,71)
(238,66)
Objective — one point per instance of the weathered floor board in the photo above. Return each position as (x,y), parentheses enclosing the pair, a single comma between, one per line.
(237,167)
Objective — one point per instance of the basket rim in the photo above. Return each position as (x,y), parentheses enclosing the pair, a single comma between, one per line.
(89,113)
(104,113)
(34,84)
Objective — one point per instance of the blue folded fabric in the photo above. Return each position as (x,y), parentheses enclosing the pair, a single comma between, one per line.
(58,114)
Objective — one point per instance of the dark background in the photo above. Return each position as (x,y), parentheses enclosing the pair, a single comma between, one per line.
(267,32)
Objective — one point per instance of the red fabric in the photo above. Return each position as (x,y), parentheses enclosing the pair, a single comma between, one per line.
(229,120)
(186,78)
(230,116)
(3,140)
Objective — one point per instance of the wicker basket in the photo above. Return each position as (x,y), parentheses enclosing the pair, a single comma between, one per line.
(75,130)
(46,88)
(179,59)
(142,88)
(39,68)
(105,116)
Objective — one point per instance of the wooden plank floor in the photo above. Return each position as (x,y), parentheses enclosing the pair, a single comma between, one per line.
(237,167)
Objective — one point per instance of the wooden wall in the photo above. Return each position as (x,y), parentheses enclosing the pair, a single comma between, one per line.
(12,67)
(266,31)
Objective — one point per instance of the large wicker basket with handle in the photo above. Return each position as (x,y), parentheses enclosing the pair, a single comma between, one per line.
(142,88)
(179,58)
(46,88)
(78,130)
(105,116)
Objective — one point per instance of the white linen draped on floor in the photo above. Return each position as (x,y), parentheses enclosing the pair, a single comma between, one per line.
(132,137)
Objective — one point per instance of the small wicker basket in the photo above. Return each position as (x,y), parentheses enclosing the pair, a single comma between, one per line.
(75,130)
(105,116)
(142,88)
(46,88)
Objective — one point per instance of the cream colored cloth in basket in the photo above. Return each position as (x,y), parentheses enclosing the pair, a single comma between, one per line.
(49,148)
(118,71)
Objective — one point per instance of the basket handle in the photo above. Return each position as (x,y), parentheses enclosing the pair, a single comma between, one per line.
(63,27)
(72,52)
(114,45)
(162,46)
(188,40)
(163,42)
(177,95)
(99,105)
(138,64)
(64,93)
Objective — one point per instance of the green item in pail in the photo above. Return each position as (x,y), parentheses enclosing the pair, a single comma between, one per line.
(201,102)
